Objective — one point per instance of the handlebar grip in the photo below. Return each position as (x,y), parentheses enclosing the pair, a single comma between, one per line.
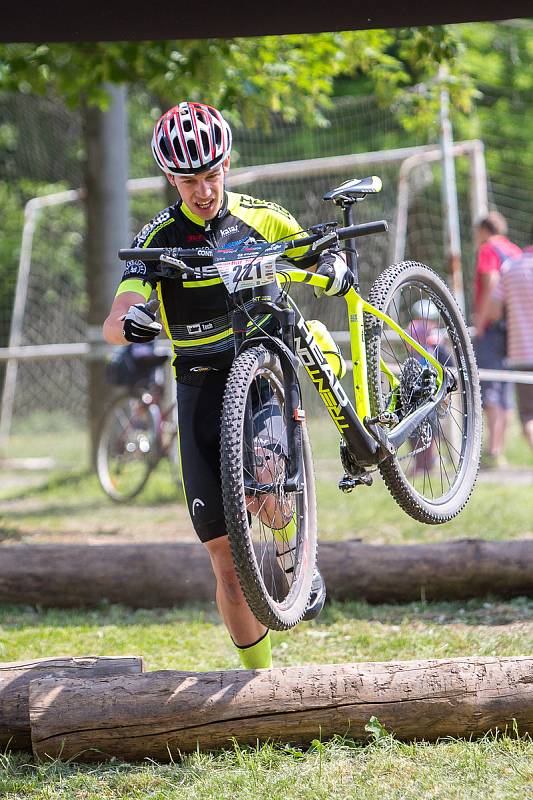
(364,229)
(145,254)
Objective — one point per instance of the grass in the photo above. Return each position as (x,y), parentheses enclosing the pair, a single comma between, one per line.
(498,769)
(68,505)
(72,507)
(193,638)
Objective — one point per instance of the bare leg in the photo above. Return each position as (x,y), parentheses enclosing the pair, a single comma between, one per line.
(234,610)
(497,419)
(528,431)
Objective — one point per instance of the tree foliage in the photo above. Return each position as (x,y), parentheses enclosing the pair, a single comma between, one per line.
(247,77)
(499,58)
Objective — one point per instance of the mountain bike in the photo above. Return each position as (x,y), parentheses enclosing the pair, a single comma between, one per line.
(138,430)
(410,398)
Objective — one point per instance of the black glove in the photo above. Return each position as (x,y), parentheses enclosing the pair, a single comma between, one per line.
(335,268)
(140,324)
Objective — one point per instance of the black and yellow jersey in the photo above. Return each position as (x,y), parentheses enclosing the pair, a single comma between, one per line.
(196,312)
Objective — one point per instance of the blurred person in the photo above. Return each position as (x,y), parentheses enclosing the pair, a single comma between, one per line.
(490,337)
(191,144)
(425,329)
(512,299)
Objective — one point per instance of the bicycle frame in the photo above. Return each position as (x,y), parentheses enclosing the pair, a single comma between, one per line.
(368,441)
(367,438)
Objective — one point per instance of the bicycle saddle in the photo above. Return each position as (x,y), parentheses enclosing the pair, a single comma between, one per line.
(355,189)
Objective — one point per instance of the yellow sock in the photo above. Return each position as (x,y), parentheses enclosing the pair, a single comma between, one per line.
(257,655)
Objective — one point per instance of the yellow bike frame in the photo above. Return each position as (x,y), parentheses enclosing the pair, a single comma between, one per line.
(356,307)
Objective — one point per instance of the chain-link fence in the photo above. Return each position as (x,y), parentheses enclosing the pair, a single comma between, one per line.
(51,394)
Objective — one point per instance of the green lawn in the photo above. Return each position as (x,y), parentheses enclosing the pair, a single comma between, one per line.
(71,507)
(67,505)
(339,770)
(193,638)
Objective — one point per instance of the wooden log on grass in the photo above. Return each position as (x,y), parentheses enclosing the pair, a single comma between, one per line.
(162,714)
(166,574)
(138,575)
(15,680)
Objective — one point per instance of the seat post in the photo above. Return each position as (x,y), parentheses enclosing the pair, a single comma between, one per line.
(351,252)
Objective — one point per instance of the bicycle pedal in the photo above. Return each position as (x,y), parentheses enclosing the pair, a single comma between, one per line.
(349,482)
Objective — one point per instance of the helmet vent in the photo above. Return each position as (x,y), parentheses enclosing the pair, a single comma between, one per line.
(192,150)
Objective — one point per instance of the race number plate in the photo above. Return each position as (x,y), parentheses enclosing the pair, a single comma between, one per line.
(251,266)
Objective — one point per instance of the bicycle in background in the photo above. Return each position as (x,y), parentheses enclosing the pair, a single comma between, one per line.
(139,428)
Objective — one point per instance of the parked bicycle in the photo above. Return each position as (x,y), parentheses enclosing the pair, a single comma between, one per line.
(408,398)
(139,428)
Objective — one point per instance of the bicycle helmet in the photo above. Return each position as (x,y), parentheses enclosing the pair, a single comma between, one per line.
(190,138)
(425,309)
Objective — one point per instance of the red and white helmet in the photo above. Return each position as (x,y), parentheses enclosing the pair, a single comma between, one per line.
(190,138)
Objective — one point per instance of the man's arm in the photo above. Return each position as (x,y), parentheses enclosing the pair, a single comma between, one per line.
(497,300)
(113,329)
(488,282)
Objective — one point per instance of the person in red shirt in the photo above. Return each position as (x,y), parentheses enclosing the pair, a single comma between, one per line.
(490,339)
(513,299)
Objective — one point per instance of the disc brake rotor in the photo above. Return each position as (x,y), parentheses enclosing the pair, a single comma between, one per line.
(416,386)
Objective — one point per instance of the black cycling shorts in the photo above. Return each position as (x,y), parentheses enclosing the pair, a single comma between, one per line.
(199,409)
(200,396)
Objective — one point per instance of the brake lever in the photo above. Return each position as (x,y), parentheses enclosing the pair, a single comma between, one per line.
(177,264)
(328,240)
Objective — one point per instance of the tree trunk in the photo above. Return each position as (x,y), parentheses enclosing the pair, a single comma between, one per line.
(162,574)
(106,175)
(162,714)
(15,684)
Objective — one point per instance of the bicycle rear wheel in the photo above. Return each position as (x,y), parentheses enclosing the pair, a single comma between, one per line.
(266,528)
(128,447)
(432,474)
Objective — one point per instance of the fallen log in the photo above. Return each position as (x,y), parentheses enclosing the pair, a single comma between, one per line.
(162,714)
(15,680)
(167,574)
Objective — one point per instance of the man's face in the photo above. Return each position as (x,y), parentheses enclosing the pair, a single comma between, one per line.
(203,193)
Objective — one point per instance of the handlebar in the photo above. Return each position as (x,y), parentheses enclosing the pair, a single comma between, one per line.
(206,253)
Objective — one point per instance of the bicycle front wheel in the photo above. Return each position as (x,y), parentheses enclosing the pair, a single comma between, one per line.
(128,447)
(272,532)
(432,474)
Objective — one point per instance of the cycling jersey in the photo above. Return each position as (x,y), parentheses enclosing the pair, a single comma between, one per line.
(196,312)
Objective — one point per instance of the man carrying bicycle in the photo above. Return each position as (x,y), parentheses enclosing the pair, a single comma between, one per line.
(192,144)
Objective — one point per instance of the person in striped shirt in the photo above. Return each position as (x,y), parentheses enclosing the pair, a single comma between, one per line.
(512,298)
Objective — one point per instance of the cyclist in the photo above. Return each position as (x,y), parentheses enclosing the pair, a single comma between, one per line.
(191,144)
